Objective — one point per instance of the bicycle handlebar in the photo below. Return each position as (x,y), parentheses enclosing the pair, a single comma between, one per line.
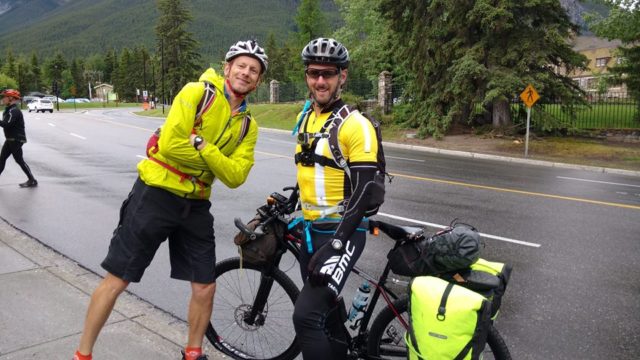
(245,230)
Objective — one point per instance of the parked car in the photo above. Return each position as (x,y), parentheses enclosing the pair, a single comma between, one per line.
(54,99)
(38,105)
(27,99)
(78,100)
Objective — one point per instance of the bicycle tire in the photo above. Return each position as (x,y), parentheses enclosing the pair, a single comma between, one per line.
(386,340)
(235,290)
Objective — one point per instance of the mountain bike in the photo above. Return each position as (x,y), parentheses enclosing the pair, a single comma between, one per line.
(254,303)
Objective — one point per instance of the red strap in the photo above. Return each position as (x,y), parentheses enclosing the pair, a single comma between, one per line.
(182,175)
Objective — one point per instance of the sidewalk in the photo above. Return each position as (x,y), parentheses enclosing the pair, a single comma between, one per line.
(43,300)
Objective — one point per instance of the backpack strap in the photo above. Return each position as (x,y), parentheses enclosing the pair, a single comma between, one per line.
(338,117)
(205,102)
(244,130)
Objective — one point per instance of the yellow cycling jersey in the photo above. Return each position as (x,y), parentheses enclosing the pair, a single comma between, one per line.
(223,158)
(324,186)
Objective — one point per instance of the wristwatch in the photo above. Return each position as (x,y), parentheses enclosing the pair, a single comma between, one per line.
(197,141)
(336,244)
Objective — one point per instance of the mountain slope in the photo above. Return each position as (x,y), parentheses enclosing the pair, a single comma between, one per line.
(83,27)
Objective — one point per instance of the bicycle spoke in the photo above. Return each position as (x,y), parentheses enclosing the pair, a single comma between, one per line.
(269,334)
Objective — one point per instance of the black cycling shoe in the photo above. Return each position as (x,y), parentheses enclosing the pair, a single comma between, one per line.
(201,357)
(29,183)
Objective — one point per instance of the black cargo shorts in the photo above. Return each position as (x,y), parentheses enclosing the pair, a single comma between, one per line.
(148,217)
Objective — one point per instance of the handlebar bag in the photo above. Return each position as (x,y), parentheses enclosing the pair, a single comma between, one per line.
(447,321)
(263,248)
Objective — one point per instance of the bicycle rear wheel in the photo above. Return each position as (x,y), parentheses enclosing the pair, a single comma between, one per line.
(270,335)
(386,336)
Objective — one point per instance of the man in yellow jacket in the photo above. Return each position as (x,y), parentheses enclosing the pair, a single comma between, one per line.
(209,134)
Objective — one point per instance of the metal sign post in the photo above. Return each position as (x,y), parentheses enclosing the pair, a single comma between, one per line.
(529,96)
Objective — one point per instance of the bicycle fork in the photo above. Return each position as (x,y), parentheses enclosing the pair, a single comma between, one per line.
(256,315)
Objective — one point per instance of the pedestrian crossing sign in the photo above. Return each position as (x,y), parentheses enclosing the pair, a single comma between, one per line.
(529,96)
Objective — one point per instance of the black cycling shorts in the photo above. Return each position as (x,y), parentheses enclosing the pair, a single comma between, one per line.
(148,217)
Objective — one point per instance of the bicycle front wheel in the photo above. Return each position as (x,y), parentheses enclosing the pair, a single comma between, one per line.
(269,333)
(386,336)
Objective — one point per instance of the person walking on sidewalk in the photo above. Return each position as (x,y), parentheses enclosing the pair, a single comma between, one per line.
(13,125)
(209,134)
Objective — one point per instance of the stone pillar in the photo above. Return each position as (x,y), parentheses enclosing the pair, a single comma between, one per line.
(384,92)
(274,92)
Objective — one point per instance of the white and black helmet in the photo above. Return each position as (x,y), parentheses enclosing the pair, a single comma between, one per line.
(326,51)
(248,48)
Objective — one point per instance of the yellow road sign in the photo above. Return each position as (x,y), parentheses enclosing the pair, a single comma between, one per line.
(529,96)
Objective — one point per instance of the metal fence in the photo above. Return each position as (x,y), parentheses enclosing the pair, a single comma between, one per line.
(602,111)
(364,89)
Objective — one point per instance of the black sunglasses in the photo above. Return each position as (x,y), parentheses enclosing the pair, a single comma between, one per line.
(316,73)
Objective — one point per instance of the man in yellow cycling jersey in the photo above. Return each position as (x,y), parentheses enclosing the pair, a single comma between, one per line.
(334,198)
(209,134)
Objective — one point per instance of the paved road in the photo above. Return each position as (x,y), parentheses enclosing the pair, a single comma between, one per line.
(571,234)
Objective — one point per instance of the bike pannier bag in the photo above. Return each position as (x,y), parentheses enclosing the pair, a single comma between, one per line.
(447,321)
(261,249)
(503,272)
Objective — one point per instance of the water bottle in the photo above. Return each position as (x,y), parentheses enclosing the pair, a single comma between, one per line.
(359,305)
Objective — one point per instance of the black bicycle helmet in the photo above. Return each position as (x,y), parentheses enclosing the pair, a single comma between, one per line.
(326,51)
(248,48)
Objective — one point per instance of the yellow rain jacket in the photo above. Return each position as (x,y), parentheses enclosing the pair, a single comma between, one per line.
(222,158)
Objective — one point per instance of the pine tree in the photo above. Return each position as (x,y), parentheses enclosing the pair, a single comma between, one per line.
(366,36)
(36,72)
(465,53)
(311,21)
(177,46)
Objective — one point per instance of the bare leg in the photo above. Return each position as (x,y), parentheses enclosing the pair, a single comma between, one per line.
(200,309)
(102,302)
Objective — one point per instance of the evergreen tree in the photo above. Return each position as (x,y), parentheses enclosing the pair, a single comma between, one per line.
(54,68)
(36,72)
(110,64)
(623,23)
(177,46)
(22,75)
(124,84)
(76,70)
(464,53)
(278,59)
(7,82)
(9,65)
(365,33)
(311,21)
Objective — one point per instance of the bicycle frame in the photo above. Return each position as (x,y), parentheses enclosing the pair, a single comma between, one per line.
(289,242)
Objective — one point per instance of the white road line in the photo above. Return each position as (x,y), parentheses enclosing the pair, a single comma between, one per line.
(596,181)
(494,237)
(401,158)
(141,156)
(52,125)
(78,136)
(282,141)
